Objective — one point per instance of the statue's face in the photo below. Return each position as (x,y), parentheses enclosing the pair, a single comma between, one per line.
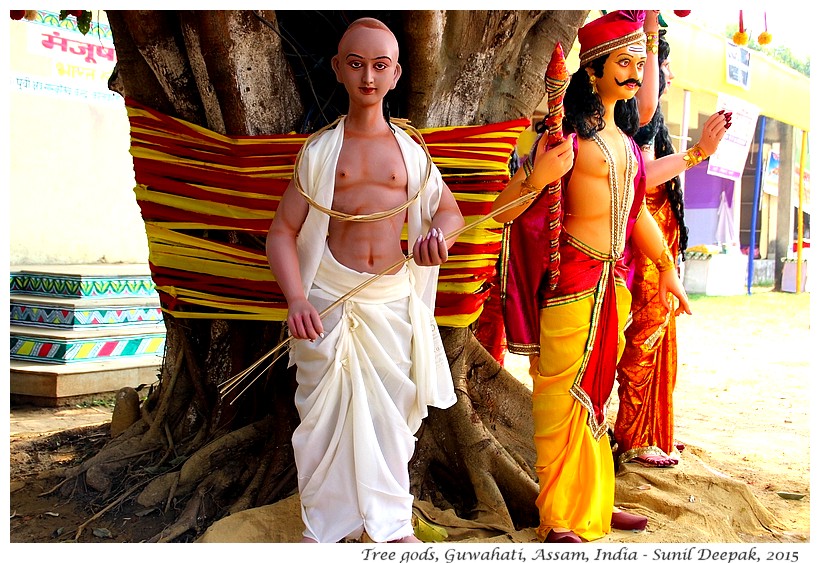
(623,73)
(367,64)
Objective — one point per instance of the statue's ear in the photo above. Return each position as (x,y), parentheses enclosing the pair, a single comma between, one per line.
(396,75)
(334,63)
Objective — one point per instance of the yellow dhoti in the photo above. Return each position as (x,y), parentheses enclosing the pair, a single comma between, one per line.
(575,470)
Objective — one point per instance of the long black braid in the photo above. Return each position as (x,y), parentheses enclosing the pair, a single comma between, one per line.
(657,132)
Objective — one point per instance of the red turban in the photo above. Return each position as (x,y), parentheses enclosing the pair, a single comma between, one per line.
(609,33)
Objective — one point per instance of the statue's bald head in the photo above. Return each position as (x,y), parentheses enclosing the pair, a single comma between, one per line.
(367,24)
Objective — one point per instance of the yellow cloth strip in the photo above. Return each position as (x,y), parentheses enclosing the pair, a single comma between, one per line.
(160,234)
(479,236)
(215,257)
(208,267)
(459,320)
(454,264)
(271,316)
(503,148)
(470,164)
(235,193)
(467,288)
(278,170)
(222,139)
(467,175)
(212,143)
(185,226)
(184,293)
(245,310)
(199,206)
(217,304)
(455,276)
(475,196)
(504,133)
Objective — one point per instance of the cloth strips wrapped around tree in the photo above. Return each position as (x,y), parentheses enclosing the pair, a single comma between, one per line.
(192,183)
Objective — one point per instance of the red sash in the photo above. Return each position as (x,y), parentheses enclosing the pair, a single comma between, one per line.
(525,260)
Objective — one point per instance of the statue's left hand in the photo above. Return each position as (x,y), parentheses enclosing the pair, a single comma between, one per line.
(430,250)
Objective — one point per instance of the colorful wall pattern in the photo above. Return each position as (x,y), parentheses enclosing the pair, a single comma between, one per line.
(50,350)
(69,318)
(56,285)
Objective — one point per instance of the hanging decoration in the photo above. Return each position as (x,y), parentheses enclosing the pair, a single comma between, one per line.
(765,37)
(740,37)
(83,17)
(20,14)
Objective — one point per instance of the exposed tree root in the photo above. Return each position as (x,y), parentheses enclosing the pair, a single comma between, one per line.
(205,461)
(463,440)
(117,502)
(203,504)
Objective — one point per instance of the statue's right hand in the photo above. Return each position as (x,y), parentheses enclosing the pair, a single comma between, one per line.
(303,321)
(554,162)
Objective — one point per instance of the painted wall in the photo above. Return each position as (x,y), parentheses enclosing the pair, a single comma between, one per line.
(71,178)
(701,200)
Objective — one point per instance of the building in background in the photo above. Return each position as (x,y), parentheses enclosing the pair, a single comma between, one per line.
(71,198)
(85,319)
(771,104)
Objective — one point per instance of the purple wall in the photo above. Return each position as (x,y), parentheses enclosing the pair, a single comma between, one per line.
(701,200)
(703,190)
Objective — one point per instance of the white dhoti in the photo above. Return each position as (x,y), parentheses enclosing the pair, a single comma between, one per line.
(363,390)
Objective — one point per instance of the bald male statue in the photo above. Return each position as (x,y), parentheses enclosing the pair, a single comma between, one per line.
(369,368)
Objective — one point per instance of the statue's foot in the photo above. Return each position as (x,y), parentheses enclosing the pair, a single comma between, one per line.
(407,539)
(625,521)
(566,536)
(654,460)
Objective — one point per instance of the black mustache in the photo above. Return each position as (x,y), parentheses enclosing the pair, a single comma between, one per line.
(628,81)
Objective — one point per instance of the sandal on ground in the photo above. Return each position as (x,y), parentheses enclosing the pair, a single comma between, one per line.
(562,537)
(653,460)
(625,521)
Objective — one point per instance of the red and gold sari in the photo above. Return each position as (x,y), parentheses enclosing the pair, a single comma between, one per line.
(648,368)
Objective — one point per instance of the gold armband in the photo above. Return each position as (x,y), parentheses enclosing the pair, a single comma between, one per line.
(652,42)
(694,156)
(527,188)
(665,261)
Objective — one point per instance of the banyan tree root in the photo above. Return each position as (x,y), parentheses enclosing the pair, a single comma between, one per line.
(469,441)
(203,503)
(208,459)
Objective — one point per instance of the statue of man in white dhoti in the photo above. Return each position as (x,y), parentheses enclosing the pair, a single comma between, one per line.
(369,360)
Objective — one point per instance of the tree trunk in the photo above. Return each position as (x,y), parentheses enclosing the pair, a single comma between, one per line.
(264,72)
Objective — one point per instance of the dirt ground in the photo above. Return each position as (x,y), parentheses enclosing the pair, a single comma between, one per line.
(742,411)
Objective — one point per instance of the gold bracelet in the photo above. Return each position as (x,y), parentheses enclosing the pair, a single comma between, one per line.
(527,188)
(694,156)
(652,42)
(665,261)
